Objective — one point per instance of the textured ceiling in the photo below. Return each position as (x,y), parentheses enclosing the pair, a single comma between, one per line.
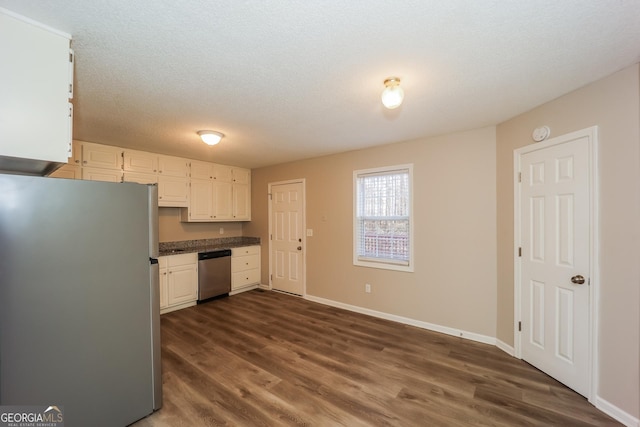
(292,79)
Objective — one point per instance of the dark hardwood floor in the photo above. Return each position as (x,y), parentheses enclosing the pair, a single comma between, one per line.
(267,359)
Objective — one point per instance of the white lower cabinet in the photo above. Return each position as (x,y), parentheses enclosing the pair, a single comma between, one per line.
(245,268)
(178,281)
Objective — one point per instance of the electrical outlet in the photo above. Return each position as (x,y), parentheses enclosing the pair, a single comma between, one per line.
(221,230)
(367,288)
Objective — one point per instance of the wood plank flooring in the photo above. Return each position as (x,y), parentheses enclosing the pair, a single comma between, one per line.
(262,358)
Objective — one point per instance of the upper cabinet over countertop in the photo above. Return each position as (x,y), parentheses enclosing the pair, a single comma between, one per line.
(218,193)
(208,192)
(36,84)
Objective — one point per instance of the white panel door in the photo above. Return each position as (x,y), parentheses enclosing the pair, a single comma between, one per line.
(287,261)
(555,239)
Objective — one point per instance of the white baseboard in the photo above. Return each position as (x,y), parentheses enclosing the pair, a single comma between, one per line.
(604,406)
(506,348)
(248,288)
(616,413)
(407,321)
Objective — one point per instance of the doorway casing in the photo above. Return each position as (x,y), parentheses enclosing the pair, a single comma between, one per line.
(591,134)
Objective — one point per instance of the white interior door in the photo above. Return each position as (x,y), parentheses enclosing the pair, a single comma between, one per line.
(287,240)
(555,231)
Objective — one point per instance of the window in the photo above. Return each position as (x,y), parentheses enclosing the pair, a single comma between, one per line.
(382,218)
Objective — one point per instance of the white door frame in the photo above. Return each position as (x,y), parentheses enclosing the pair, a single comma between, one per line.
(304,228)
(594,286)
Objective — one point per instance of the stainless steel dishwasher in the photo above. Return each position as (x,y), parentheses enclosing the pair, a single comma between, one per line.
(214,274)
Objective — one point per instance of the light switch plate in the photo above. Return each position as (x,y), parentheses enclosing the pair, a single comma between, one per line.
(309,232)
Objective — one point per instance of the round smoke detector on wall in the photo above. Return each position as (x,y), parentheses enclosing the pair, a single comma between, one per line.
(541,133)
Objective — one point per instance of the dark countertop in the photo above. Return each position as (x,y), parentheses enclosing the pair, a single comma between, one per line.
(205,245)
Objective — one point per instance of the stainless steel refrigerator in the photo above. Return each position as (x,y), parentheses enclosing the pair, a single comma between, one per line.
(79,303)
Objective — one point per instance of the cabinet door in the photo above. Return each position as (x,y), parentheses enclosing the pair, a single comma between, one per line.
(140,161)
(173,191)
(242,263)
(35,77)
(245,278)
(68,172)
(173,166)
(140,178)
(201,170)
(164,288)
(222,200)
(241,176)
(222,173)
(98,174)
(182,284)
(76,153)
(200,201)
(241,202)
(101,156)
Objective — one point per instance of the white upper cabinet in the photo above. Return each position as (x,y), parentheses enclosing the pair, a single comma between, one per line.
(67,171)
(200,202)
(140,178)
(101,156)
(140,161)
(35,87)
(173,191)
(173,181)
(241,202)
(241,176)
(222,173)
(173,166)
(100,174)
(201,170)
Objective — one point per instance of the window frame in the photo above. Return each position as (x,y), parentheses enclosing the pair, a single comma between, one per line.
(381,263)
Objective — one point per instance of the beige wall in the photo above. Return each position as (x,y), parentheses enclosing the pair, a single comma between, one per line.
(454,283)
(613,104)
(172,230)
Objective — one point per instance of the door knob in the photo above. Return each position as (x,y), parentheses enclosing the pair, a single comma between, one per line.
(578,280)
(299,248)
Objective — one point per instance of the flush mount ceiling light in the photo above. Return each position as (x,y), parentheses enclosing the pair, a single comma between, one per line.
(210,137)
(392,95)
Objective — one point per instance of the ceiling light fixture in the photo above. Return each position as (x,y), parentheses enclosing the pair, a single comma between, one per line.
(392,95)
(210,137)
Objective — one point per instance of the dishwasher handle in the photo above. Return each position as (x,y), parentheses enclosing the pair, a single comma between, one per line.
(214,254)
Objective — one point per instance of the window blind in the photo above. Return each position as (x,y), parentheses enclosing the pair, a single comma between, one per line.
(383,217)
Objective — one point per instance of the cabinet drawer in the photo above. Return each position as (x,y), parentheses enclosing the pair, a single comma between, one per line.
(245,278)
(242,263)
(245,250)
(182,259)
